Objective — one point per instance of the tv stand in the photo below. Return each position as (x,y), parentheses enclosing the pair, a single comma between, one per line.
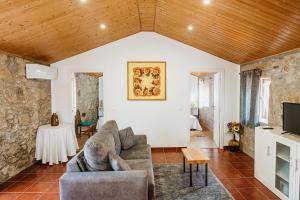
(277,159)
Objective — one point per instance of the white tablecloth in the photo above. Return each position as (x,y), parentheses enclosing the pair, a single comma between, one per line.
(55,143)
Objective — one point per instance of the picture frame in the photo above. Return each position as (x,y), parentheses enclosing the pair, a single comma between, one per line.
(146,80)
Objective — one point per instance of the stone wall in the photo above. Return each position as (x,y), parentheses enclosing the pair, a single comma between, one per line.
(24,106)
(87,95)
(207,113)
(284,71)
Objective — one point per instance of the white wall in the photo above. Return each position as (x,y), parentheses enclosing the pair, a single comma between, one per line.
(194,96)
(166,123)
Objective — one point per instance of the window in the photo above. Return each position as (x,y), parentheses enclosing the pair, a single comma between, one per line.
(203,94)
(264,100)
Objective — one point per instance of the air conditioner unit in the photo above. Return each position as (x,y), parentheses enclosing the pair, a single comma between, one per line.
(37,71)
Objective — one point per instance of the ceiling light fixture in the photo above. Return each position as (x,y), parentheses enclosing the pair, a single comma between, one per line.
(206,2)
(103,26)
(83,1)
(190,28)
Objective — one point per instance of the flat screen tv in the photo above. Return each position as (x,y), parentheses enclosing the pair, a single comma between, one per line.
(291,118)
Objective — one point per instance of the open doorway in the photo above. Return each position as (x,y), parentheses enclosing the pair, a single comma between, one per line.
(87,104)
(205,109)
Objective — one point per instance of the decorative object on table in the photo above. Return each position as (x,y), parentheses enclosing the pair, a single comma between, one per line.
(55,144)
(146,80)
(234,128)
(54,120)
(172,183)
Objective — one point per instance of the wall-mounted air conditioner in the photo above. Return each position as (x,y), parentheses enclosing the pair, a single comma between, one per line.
(37,71)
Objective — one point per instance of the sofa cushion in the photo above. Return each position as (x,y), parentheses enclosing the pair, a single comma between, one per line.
(117,163)
(140,151)
(127,138)
(96,151)
(144,164)
(111,127)
(72,165)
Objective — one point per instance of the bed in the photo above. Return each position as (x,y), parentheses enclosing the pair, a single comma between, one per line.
(194,123)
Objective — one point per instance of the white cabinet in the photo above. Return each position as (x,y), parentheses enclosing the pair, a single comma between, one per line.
(264,158)
(284,167)
(297,175)
(277,162)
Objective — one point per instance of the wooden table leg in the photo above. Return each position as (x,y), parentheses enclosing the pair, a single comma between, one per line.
(183,164)
(205,174)
(197,167)
(191,176)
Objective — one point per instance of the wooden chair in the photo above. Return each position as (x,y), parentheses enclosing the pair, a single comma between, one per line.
(90,127)
(77,122)
(91,130)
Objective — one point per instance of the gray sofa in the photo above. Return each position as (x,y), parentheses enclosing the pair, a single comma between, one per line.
(136,184)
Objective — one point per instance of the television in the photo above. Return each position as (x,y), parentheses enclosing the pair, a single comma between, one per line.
(291,118)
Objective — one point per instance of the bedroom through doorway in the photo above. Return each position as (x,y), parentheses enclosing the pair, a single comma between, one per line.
(204,113)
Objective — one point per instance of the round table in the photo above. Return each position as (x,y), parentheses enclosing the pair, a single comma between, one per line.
(55,143)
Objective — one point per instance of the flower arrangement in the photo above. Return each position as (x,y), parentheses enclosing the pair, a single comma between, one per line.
(235,127)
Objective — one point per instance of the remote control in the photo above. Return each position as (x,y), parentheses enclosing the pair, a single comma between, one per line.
(268,128)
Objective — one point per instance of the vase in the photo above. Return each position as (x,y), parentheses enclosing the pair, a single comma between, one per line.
(234,145)
(54,120)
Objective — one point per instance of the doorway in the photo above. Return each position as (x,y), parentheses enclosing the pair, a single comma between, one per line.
(205,109)
(87,104)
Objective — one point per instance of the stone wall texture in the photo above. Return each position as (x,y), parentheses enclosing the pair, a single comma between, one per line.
(207,113)
(87,95)
(284,71)
(24,106)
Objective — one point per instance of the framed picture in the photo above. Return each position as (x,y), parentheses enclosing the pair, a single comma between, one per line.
(146,80)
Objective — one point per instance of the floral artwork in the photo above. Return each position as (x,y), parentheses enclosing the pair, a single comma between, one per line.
(146,80)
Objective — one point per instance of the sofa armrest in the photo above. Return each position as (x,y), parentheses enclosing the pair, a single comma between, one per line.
(108,185)
(140,139)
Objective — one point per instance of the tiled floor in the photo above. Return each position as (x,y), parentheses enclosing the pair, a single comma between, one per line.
(235,170)
(205,141)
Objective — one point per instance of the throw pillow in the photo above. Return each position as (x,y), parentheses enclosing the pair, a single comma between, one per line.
(96,151)
(117,163)
(111,127)
(81,163)
(127,138)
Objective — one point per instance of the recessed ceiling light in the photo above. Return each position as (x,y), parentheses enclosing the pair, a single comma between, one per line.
(190,27)
(206,2)
(103,26)
(83,1)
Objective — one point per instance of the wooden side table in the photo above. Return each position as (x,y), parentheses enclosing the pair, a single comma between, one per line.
(194,156)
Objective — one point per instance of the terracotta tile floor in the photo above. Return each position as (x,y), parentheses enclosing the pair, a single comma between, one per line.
(235,170)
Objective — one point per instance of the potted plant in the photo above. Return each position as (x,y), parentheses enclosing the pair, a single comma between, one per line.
(234,128)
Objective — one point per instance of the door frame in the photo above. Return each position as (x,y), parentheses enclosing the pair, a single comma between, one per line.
(221,96)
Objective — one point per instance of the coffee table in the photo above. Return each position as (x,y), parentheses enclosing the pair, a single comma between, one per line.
(194,156)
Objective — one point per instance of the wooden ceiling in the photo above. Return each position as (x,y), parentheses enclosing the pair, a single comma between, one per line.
(236,30)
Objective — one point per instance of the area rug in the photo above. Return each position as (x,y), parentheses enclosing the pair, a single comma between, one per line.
(172,184)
